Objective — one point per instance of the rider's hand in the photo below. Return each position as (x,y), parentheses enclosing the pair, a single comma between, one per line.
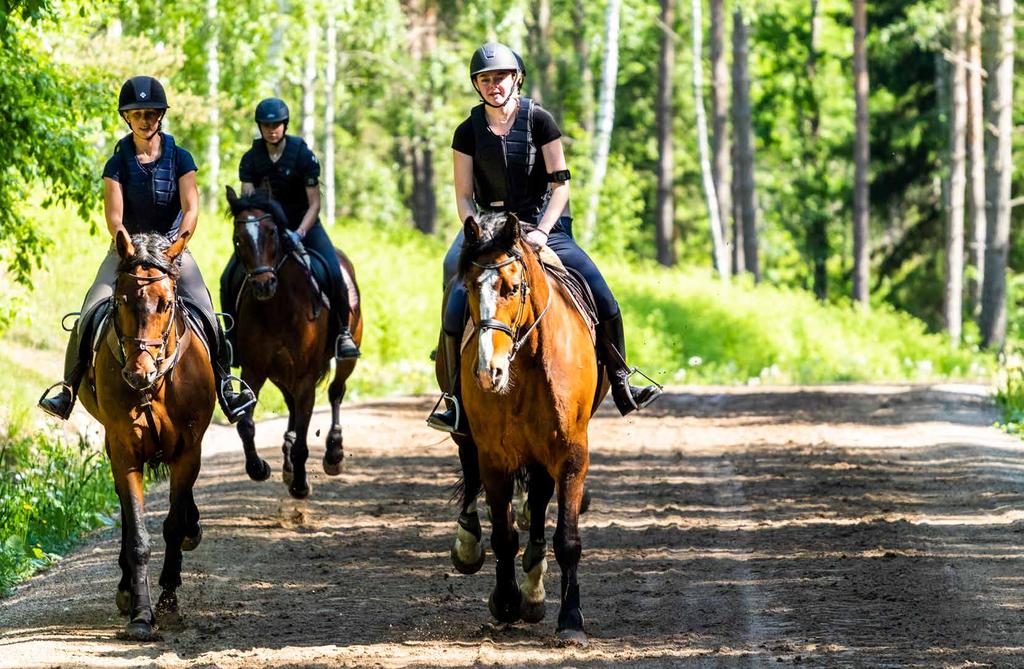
(536,238)
(295,237)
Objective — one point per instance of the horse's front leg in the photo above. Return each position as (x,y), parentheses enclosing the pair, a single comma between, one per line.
(255,466)
(183,476)
(505,599)
(335,452)
(535,564)
(300,487)
(128,481)
(467,549)
(568,546)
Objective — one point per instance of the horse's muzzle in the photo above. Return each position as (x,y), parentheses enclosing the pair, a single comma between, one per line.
(264,289)
(139,381)
(494,377)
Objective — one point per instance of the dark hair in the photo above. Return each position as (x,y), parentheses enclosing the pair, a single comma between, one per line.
(499,232)
(151,251)
(260,200)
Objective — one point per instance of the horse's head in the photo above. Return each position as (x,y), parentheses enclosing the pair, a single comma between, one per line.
(145,299)
(258,237)
(496,277)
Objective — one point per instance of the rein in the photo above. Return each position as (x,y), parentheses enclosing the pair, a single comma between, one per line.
(514,255)
(263,269)
(143,344)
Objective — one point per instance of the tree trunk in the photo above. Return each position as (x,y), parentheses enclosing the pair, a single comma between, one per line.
(953,302)
(213,102)
(423,33)
(330,82)
(999,167)
(861,154)
(542,66)
(309,80)
(665,206)
(721,253)
(582,49)
(721,166)
(818,228)
(605,117)
(976,155)
(275,52)
(743,134)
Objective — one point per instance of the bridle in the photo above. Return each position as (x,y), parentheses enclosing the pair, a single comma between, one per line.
(144,344)
(282,257)
(514,255)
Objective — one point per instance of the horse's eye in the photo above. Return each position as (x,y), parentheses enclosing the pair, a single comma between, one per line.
(514,289)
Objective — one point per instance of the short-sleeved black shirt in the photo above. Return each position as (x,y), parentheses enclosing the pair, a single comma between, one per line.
(141,213)
(545,130)
(295,170)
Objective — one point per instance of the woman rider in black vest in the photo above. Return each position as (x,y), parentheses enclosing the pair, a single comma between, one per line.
(508,157)
(149,185)
(285,166)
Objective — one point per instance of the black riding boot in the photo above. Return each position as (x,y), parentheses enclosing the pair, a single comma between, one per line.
(611,346)
(345,346)
(75,364)
(452,419)
(233,404)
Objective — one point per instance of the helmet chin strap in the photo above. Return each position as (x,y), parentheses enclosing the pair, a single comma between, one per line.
(483,98)
(278,142)
(159,126)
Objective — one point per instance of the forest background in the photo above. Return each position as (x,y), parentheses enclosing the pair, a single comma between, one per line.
(774,195)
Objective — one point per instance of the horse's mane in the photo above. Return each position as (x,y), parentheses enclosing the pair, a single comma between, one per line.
(499,234)
(260,200)
(151,251)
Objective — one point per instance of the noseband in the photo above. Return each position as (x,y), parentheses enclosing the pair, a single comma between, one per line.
(144,344)
(262,269)
(514,255)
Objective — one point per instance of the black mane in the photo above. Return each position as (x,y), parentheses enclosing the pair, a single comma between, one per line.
(499,232)
(262,201)
(151,251)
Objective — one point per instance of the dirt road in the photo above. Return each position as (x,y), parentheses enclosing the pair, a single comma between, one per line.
(844,526)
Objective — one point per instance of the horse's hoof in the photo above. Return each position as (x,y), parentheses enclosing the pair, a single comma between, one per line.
(507,611)
(577,638)
(140,630)
(258,470)
(467,568)
(332,468)
(300,493)
(532,612)
(168,603)
(124,601)
(191,543)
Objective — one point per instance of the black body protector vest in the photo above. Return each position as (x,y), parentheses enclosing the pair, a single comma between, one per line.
(161,176)
(282,178)
(503,167)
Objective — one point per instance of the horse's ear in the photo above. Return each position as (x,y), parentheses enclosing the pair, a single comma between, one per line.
(125,248)
(511,231)
(472,231)
(232,196)
(178,246)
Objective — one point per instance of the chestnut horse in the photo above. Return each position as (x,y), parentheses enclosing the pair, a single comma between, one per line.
(529,381)
(282,335)
(152,388)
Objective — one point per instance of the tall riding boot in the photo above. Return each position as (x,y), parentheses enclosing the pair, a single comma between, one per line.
(611,347)
(345,346)
(452,419)
(233,404)
(75,365)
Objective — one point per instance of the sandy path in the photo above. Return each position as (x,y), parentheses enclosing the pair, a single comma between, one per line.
(844,526)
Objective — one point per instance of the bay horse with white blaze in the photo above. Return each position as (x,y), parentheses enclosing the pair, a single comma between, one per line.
(152,388)
(530,383)
(283,334)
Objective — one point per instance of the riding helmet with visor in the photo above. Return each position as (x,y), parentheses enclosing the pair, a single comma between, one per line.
(272,110)
(141,93)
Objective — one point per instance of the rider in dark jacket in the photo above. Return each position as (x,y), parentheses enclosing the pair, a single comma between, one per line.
(286,167)
(149,185)
(508,157)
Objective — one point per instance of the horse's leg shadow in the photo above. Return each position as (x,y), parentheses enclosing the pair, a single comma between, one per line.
(535,563)
(467,549)
(505,599)
(335,452)
(255,466)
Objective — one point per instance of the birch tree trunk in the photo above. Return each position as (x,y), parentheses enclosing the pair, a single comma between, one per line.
(721,253)
(743,134)
(999,167)
(953,302)
(721,166)
(861,154)
(423,36)
(975,154)
(213,102)
(275,52)
(582,49)
(664,215)
(539,37)
(330,82)
(605,117)
(309,80)
(818,229)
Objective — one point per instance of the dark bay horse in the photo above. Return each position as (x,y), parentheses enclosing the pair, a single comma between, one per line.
(529,382)
(283,333)
(152,388)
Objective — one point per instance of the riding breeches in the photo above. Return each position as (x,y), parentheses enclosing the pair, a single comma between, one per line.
(568,251)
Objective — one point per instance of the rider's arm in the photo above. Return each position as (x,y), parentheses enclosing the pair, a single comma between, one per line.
(247,189)
(554,161)
(309,219)
(113,206)
(189,203)
(464,185)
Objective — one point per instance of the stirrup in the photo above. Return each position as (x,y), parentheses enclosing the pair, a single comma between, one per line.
(243,387)
(46,408)
(661,388)
(337,348)
(444,427)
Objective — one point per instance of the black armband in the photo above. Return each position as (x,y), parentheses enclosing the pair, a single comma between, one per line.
(559,176)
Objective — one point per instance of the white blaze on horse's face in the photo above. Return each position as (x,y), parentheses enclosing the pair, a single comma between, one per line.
(491,369)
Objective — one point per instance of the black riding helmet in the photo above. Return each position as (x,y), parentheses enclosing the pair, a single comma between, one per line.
(141,93)
(272,110)
(495,57)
